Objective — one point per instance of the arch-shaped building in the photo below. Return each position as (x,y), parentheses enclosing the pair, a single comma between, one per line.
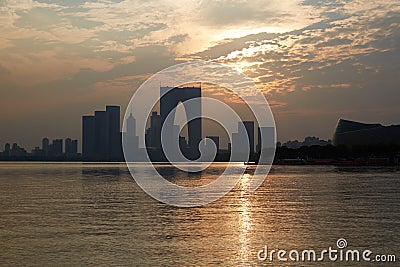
(351,133)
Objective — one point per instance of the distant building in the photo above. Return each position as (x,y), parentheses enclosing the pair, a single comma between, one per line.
(101,134)
(7,149)
(57,147)
(113,131)
(71,147)
(131,140)
(351,133)
(268,135)
(153,134)
(37,152)
(308,141)
(17,151)
(45,146)
(249,126)
(239,147)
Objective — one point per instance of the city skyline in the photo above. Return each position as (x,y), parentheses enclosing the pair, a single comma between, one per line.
(316,62)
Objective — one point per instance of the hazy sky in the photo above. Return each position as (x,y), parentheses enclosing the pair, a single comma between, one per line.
(317,61)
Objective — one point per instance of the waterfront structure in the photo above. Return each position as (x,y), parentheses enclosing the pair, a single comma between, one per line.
(351,133)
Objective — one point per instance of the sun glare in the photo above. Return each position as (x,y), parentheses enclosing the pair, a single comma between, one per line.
(242,66)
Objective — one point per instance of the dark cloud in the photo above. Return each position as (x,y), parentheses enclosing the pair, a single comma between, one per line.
(235,12)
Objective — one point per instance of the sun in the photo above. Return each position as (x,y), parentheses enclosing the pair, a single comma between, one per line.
(242,66)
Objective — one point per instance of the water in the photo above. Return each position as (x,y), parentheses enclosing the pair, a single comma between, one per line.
(95,215)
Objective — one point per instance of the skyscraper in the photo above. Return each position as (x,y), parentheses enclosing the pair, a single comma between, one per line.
(170,98)
(101,134)
(249,126)
(153,139)
(57,147)
(71,147)
(7,149)
(266,138)
(131,125)
(74,147)
(113,146)
(239,147)
(45,146)
(67,144)
(131,140)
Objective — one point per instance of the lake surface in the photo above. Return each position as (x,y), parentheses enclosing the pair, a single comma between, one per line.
(72,214)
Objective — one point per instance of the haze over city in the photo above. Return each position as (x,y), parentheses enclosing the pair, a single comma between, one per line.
(315,62)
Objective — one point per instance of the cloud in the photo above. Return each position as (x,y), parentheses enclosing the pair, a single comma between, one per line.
(282,61)
(313,55)
(3,70)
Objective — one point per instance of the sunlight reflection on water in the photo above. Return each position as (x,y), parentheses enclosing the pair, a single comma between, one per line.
(95,214)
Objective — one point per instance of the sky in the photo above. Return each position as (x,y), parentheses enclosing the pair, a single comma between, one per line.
(316,61)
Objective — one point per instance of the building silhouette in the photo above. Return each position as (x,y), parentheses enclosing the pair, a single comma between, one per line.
(241,148)
(131,140)
(113,133)
(351,133)
(101,136)
(17,151)
(71,147)
(308,141)
(266,138)
(7,149)
(153,133)
(266,145)
(249,126)
(169,100)
(57,147)
(45,146)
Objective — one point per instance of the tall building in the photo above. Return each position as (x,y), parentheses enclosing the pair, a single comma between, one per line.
(67,144)
(169,100)
(131,140)
(155,130)
(266,138)
(239,148)
(153,133)
(45,146)
(113,131)
(17,151)
(88,137)
(131,125)
(57,147)
(74,147)
(71,147)
(101,135)
(249,126)
(266,145)
(7,149)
